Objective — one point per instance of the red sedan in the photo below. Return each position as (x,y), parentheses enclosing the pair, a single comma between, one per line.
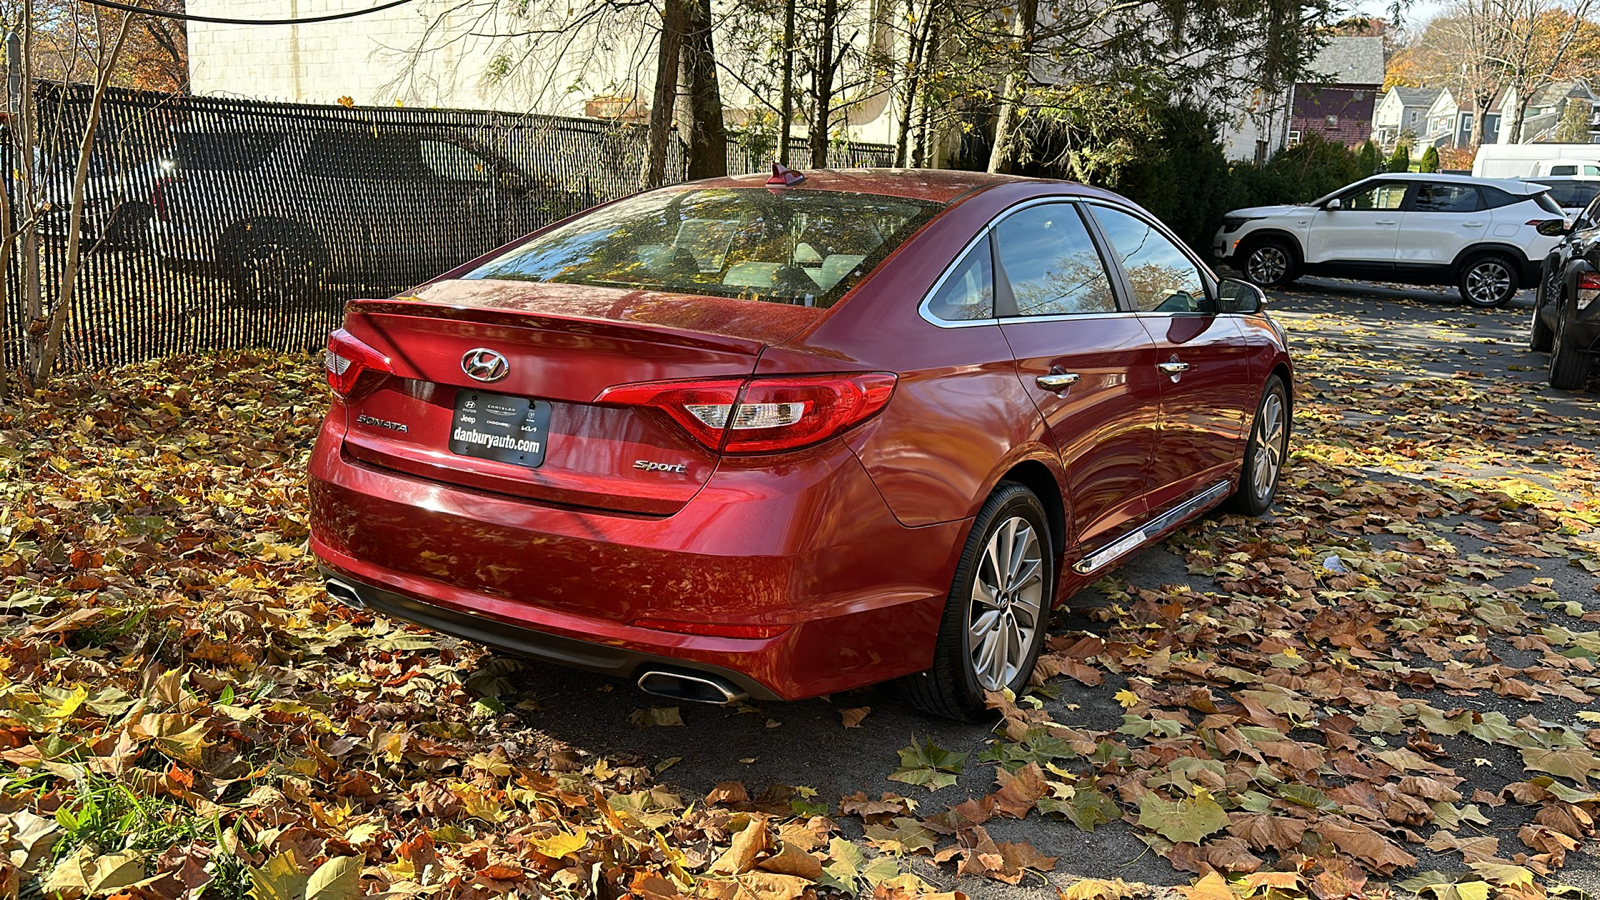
(783,437)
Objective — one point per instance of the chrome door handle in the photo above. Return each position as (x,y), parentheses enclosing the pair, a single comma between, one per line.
(1471,224)
(1057,381)
(1173,367)
(1385,221)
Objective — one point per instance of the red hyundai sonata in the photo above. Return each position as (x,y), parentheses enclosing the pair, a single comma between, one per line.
(782,437)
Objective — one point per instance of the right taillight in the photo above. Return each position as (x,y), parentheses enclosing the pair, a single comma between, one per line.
(354,369)
(158,196)
(762,415)
(1589,281)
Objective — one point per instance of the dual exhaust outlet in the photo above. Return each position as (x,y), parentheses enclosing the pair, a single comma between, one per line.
(692,687)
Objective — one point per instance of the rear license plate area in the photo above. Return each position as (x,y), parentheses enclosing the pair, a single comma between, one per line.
(500,428)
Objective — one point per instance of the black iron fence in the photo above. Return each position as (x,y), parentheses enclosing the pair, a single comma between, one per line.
(214,223)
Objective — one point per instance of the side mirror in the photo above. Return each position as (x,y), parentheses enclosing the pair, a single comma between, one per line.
(1235,296)
(1333,204)
(1552,227)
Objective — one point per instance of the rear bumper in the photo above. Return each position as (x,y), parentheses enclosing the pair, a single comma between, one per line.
(808,551)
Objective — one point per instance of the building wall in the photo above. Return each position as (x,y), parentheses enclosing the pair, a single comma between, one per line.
(366,59)
(1340,113)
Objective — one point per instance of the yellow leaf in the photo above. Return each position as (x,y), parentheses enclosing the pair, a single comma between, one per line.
(337,879)
(1127,698)
(70,703)
(1211,887)
(561,843)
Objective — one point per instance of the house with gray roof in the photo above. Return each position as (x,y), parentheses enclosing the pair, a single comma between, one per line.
(1402,114)
(1546,108)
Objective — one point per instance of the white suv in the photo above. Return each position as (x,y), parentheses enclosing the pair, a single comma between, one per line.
(1477,233)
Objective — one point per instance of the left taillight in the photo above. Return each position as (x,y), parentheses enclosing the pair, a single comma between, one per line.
(354,369)
(762,415)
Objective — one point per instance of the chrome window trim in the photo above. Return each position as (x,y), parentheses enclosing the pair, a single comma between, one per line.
(926,313)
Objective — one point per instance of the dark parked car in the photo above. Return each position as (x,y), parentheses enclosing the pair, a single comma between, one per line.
(1566,310)
(779,439)
(279,213)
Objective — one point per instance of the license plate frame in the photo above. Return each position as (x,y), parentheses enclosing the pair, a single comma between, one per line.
(500,428)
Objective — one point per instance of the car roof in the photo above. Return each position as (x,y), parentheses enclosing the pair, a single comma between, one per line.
(935,185)
(1559,179)
(1507,185)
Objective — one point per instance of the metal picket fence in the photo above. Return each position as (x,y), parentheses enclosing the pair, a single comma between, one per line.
(214,223)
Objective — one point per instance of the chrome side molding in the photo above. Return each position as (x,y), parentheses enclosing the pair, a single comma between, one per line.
(1126,544)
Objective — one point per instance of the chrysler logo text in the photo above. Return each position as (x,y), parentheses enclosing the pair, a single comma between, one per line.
(484,364)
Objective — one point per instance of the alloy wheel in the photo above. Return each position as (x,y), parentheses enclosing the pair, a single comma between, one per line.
(1007,603)
(1267,264)
(1488,282)
(1271,444)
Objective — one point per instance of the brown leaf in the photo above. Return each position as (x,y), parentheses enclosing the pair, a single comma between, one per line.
(791,860)
(852,717)
(1372,848)
(728,793)
(1020,791)
(747,845)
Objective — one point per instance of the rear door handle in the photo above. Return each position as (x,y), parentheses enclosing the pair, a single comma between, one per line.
(1385,221)
(1471,224)
(1173,367)
(1057,381)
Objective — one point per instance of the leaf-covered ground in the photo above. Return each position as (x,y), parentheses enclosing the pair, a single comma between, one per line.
(1388,685)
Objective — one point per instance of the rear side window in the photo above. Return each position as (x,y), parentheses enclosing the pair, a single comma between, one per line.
(1563,170)
(967,293)
(358,154)
(1434,197)
(802,247)
(214,151)
(1163,277)
(1051,263)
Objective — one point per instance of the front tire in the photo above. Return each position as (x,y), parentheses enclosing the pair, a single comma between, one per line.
(1540,335)
(1265,452)
(275,264)
(1269,263)
(997,612)
(1569,367)
(1488,282)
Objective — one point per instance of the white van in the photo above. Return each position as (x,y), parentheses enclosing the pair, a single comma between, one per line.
(1531,160)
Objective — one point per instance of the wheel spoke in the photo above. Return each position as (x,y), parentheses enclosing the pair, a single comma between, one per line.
(981,627)
(1027,573)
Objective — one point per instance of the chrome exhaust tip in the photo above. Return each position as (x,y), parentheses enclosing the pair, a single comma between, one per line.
(345,594)
(695,688)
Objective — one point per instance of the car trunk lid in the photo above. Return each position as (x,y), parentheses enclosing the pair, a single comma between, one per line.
(529,424)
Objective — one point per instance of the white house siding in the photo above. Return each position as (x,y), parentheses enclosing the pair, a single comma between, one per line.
(364,58)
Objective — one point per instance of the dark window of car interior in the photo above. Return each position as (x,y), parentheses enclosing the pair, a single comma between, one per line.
(1448,198)
(210,152)
(1163,277)
(1051,263)
(1589,217)
(802,247)
(453,162)
(1386,195)
(1543,201)
(360,154)
(968,291)
(1572,194)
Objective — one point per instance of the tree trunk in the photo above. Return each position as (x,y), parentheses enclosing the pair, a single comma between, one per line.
(786,106)
(666,93)
(25,140)
(1004,153)
(69,270)
(920,155)
(908,99)
(1480,119)
(708,138)
(824,84)
(1514,136)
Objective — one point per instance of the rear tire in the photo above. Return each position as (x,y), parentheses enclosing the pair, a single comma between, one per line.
(1569,367)
(273,263)
(1264,453)
(1269,262)
(1487,281)
(999,603)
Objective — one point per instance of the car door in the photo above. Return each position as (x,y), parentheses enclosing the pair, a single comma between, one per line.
(1202,359)
(1441,219)
(1086,361)
(1363,230)
(463,190)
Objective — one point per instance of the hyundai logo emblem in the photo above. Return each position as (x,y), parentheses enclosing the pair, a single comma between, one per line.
(484,364)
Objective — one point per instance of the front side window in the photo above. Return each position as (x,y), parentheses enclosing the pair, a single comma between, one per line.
(1051,263)
(967,294)
(1163,277)
(803,247)
(1450,198)
(1386,195)
(363,155)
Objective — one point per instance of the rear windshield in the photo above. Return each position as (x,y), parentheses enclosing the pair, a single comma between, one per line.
(1548,205)
(799,247)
